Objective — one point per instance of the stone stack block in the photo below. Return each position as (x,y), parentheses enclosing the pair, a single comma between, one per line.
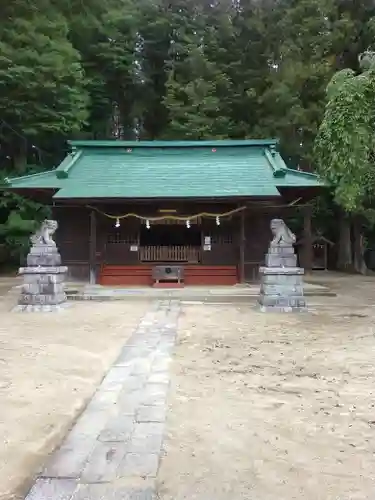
(44,276)
(281,281)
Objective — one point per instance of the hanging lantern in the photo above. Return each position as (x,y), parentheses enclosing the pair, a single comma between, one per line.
(117,224)
(188,224)
(147,224)
(218,221)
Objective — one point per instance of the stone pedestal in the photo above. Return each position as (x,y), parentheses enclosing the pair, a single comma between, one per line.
(43,286)
(281,287)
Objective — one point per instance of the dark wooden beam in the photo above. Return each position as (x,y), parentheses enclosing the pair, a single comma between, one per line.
(92,247)
(307,239)
(242,247)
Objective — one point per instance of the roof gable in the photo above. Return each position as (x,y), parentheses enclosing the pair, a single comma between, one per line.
(169,169)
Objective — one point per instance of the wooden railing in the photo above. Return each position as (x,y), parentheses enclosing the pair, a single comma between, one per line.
(169,254)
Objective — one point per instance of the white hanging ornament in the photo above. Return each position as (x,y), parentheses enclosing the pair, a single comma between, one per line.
(147,224)
(117,224)
(188,224)
(218,221)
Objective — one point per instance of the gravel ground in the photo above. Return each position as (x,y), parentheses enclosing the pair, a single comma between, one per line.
(273,407)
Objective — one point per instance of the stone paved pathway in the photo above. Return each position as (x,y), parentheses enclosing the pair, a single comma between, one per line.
(113,451)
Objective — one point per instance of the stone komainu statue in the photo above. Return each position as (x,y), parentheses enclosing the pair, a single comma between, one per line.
(282,235)
(43,286)
(281,284)
(43,235)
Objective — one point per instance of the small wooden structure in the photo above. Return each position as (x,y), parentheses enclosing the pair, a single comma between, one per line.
(125,207)
(320,251)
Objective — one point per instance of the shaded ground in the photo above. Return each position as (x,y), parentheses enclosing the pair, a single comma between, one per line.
(274,407)
(50,364)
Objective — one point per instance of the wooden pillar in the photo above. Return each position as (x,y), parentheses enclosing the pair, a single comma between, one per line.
(242,247)
(92,248)
(308,239)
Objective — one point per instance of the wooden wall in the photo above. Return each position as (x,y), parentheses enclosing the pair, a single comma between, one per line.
(224,242)
(257,238)
(113,244)
(72,238)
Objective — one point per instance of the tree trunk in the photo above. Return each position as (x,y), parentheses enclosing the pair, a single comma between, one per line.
(359,247)
(307,236)
(345,260)
(20,157)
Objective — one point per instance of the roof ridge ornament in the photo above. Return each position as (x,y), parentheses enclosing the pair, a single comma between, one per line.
(62,172)
(271,154)
(273,149)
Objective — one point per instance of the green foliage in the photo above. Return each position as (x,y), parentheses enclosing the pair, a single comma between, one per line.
(155,38)
(344,145)
(154,69)
(196,84)
(42,85)
(194,103)
(20,218)
(300,65)
(106,38)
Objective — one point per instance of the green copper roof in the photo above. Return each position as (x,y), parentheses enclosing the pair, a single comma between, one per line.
(158,169)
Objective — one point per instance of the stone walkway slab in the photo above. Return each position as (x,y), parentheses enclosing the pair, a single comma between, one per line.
(116,444)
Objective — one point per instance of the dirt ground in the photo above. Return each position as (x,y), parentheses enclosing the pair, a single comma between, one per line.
(50,365)
(261,407)
(274,407)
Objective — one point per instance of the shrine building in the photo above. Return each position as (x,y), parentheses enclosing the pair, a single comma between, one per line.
(204,207)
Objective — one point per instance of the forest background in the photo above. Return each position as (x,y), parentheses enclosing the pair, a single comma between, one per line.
(298,70)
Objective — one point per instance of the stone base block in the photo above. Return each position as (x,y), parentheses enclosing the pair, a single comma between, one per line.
(282,301)
(43,270)
(281,249)
(40,308)
(275,260)
(41,299)
(281,289)
(282,309)
(281,271)
(43,255)
(44,279)
(42,288)
(44,260)
(282,279)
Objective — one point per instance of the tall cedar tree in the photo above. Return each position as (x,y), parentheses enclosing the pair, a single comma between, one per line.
(42,84)
(155,36)
(195,83)
(106,35)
